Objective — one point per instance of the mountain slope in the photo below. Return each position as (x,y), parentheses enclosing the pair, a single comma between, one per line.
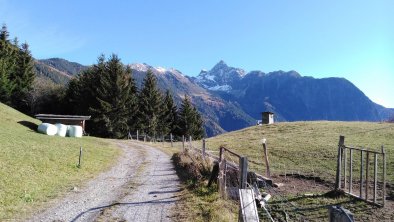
(58,70)
(291,96)
(220,116)
(231,99)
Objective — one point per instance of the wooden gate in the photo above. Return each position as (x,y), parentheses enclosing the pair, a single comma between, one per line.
(346,180)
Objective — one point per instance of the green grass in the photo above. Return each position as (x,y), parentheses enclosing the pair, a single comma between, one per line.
(35,168)
(307,147)
(310,148)
(198,202)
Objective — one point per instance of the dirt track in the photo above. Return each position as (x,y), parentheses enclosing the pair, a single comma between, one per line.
(142,186)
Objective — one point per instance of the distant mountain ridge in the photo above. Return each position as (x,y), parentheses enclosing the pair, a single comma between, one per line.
(230,98)
(291,96)
(58,70)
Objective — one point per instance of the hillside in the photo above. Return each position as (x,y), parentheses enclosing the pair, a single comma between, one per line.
(230,98)
(35,167)
(220,116)
(58,70)
(309,148)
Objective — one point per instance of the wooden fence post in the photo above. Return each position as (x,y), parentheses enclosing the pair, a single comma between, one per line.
(80,157)
(344,168)
(190,142)
(339,161)
(183,143)
(361,173)
(145,138)
(222,178)
(366,176)
(138,136)
(375,177)
(203,148)
(221,154)
(384,175)
(243,167)
(351,171)
(267,164)
(171,140)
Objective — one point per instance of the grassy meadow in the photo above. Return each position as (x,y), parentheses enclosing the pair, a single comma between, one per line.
(307,147)
(35,168)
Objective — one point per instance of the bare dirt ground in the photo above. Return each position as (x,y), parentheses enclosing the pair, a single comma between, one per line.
(303,199)
(142,186)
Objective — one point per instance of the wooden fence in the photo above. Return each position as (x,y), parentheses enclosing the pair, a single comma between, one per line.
(345,179)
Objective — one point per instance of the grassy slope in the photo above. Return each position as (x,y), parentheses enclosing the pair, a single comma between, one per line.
(304,147)
(35,167)
(308,147)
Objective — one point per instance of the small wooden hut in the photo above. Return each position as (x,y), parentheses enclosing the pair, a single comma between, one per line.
(64,119)
(267,117)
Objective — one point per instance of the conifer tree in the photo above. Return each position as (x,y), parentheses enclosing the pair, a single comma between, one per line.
(190,122)
(169,116)
(23,78)
(107,92)
(149,104)
(16,71)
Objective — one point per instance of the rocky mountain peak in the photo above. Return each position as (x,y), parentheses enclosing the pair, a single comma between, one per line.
(220,78)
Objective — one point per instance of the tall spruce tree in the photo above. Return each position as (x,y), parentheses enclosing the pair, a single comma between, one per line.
(190,122)
(16,71)
(7,66)
(149,104)
(23,77)
(169,116)
(106,91)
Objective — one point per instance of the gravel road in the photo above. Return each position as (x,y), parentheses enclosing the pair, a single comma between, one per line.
(142,186)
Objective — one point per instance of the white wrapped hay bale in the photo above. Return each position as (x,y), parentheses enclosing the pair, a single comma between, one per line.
(47,128)
(75,131)
(61,129)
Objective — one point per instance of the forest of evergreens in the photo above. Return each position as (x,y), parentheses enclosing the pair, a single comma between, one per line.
(107,91)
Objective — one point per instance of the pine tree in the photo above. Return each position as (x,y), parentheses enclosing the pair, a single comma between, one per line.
(7,65)
(16,71)
(149,103)
(23,78)
(169,116)
(190,122)
(106,91)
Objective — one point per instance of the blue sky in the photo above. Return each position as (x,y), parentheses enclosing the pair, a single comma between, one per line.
(353,39)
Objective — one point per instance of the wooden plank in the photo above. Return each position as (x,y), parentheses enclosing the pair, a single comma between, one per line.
(361,173)
(366,176)
(362,149)
(243,167)
(367,201)
(172,143)
(248,208)
(375,177)
(344,168)
(231,152)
